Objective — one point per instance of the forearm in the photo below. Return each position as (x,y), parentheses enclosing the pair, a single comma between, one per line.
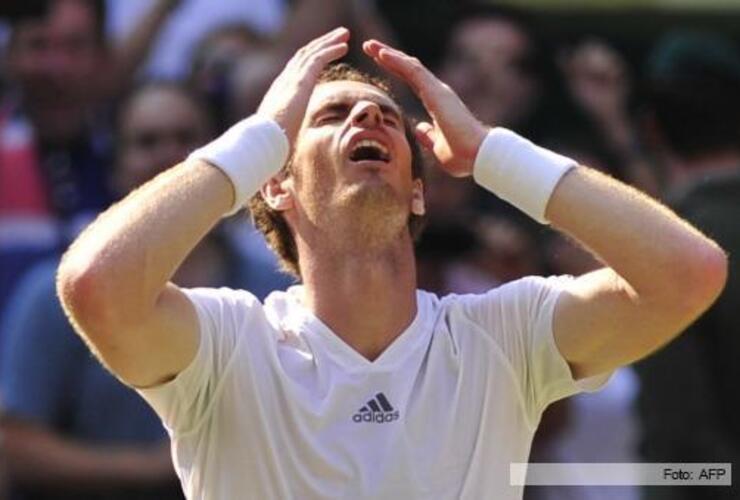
(113,281)
(645,243)
(132,250)
(661,272)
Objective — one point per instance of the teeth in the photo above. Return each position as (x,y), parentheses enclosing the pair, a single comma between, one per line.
(373,144)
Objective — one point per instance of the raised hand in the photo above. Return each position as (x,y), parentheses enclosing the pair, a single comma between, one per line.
(287,98)
(455,135)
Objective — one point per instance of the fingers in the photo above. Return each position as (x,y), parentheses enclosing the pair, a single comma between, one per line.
(306,55)
(424,133)
(399,63)
(331,53)
(288,96)
(337,35)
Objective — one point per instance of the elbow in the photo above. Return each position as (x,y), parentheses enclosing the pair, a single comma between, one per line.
(707,271)
(81,291)
(76,286)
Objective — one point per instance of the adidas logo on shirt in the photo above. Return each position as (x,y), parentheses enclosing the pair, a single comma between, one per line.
(377,410)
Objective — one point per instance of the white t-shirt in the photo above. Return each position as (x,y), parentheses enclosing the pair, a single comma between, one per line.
(275,405)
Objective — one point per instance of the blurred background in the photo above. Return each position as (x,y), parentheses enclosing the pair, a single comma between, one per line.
(97,97)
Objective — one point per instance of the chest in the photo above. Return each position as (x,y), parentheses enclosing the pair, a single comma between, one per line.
(428,425)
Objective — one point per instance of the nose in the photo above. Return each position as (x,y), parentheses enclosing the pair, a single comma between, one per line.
(367,114)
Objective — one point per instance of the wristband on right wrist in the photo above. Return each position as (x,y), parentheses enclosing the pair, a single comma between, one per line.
(249,153)
(519,171)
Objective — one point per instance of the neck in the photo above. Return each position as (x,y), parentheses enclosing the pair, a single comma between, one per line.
(368,298)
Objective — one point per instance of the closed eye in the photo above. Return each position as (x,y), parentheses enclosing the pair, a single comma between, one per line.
(328,118)
(331,113)
(391,122)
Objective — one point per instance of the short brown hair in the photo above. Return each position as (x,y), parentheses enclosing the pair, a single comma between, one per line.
(272,224)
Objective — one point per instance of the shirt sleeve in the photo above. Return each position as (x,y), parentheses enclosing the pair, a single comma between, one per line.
(185,402)
(518,316)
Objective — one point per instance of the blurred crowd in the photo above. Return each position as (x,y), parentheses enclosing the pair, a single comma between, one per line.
(98,97)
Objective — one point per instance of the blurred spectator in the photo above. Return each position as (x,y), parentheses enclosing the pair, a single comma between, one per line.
(469,253)
(70,429)
(53,153)
(253,73)
(503,69)
(441,245)
(159,125)
(69,425)
(194,19)
(601,84)
(492,62)
(54,140)
(4,493)
(689,400)
(128,52)
(447,198)
(507,251)
(214,61)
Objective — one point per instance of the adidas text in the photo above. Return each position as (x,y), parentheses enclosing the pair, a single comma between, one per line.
(378,410)
(379,417)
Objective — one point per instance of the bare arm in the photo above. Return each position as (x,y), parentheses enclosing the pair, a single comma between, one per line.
(42,459)
(662,273)
(114,280)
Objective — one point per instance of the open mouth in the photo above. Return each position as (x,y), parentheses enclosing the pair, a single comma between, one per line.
(369,150)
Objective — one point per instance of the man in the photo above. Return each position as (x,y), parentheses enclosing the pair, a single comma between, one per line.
(693,80)
(356,385)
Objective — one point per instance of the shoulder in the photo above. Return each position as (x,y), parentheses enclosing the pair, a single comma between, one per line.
(224,312)
(510,312)
(510,293)
(224,296)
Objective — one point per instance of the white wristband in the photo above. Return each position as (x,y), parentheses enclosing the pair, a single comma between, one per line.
(518,171)
(249,153)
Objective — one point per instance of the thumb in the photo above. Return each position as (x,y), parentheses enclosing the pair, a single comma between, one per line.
(425,134)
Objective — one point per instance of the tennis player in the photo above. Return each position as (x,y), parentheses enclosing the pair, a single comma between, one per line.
(355,384)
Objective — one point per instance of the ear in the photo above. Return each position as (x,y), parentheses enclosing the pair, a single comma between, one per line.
(417,198)
(278,192)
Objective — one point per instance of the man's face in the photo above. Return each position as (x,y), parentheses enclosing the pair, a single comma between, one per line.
(487,64)
(55,59)
(159,128)
(352,160)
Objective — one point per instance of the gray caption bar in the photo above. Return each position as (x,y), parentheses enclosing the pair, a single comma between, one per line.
(620,474)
